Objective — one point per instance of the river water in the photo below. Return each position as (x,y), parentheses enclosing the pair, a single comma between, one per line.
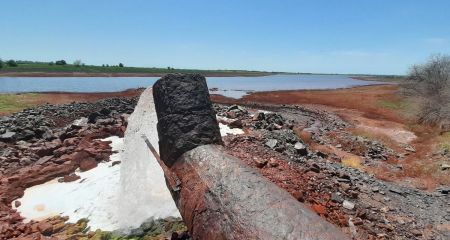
(228,86)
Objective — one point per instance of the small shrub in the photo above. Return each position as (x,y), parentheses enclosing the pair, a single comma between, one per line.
(61,62)
(430,82)
(11,63)
(78,63)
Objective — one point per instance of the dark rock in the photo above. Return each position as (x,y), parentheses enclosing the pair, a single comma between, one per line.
(44,160)
(231,114)
(105,111)
(114,163)
(8,136)
(445,166)
(443,190)
(186,118)
(260,163)
(236,124)
(46,133)
(92,118)
(258,116)
(314,168)
(301,148)
(335,197)
(396,190)
(26,135)
(321,154)
(46,150)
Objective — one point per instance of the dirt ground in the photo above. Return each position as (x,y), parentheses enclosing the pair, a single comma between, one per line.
(382,210)
(376,112)
(380,113)
(30,100)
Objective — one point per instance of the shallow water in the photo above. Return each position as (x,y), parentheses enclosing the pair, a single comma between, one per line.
(228,86)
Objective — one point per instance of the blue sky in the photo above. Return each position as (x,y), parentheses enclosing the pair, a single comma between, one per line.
(334,36)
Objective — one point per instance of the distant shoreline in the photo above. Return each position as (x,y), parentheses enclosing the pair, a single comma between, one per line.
(87,74)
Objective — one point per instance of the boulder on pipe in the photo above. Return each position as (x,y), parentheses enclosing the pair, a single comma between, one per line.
(186,118)
(219,197)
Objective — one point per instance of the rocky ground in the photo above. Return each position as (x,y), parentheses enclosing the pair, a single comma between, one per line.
(307,151)
(296,146)
(52,141)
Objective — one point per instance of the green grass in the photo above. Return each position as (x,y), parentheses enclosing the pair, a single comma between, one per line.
(46,68)
(16,102)
(381,78)
(406,107)
(393,104)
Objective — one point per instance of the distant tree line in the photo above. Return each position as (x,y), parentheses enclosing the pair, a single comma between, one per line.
(107,65)
(62,62)
(9,63)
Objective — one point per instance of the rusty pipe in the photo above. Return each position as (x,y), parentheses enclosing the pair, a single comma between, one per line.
(220,197)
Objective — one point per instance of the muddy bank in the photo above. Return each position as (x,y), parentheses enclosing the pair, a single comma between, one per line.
(366,99)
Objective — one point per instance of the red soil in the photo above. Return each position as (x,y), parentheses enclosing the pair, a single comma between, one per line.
(362,107)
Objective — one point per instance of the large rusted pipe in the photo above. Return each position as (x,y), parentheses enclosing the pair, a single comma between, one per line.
(219,197)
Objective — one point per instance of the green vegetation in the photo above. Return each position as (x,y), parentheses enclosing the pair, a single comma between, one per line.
(60,62)
(61,66)
(393,105)
(150,230)
(16,102)
(380,78)
(11,63)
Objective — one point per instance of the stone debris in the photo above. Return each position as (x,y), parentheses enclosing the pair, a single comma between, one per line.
(378,209)
(445,167)
(348,205)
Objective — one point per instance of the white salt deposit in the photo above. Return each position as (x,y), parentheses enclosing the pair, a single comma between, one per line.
(225,130)
(94,196)
(113,197)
